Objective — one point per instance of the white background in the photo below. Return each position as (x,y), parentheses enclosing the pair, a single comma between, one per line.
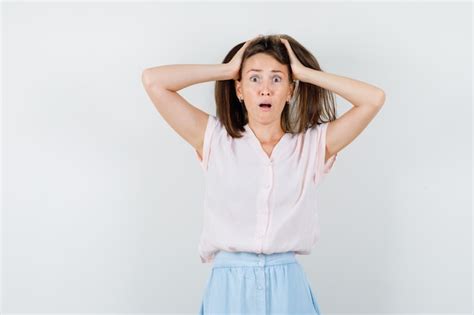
(102,201)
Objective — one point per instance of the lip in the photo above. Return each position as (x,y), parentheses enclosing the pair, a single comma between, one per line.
(265,109)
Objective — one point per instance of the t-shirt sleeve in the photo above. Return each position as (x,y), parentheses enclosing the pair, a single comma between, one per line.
(322,168)
(208,135)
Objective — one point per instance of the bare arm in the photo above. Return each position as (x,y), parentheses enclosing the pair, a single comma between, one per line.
(161,84)
(177,77)
(366,99)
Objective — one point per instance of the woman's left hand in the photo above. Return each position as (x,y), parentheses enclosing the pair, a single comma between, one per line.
(296,66)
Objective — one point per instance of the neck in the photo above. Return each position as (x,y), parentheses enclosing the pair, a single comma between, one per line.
(267,133)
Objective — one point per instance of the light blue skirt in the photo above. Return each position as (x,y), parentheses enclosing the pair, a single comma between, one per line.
(250,283)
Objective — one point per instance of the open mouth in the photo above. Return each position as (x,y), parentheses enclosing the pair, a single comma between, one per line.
(265,105)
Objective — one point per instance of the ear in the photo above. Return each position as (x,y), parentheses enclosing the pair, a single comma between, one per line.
(291,90)
(238,88)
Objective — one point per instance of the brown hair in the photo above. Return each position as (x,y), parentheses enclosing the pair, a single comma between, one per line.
(310,102)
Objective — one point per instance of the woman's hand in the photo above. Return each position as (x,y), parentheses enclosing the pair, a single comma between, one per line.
(296,66)
(235,62)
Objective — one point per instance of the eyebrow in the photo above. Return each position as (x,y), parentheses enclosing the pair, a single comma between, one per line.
(260,70)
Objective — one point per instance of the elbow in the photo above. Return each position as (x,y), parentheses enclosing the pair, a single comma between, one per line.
(145,78)
(379,100)
(151,78)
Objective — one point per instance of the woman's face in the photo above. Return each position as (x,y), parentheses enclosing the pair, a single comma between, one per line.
(264,80)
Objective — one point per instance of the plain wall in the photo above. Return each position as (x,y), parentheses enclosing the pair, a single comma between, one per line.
(102,202)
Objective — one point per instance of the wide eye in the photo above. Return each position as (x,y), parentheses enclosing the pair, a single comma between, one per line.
(275,77)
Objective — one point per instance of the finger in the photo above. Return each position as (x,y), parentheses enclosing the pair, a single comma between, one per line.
(287,45)
(249,41)
(244,46)
(256,37)
(285,42)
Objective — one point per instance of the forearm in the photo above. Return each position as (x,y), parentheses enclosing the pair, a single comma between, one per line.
(356,92)
(178,76)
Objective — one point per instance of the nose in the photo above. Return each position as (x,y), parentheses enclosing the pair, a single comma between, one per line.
(265,90)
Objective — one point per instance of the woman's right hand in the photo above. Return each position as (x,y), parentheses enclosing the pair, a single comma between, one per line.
(235,62)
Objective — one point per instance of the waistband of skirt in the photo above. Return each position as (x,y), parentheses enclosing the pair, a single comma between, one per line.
(249,259)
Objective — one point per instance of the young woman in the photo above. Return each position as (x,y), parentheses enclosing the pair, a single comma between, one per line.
(274,137)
